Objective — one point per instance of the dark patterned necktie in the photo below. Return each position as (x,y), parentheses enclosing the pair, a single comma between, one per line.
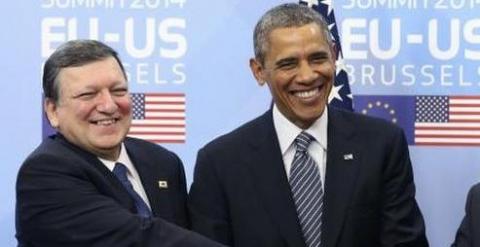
(306,186)
(120,171)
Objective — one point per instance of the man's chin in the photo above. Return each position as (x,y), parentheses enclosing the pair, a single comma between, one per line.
(306,119)
(108,144)
(109,152)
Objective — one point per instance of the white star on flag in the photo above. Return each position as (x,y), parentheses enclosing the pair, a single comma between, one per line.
(334,94)
(329,4)
(310,3)
(340,64)
(331,34)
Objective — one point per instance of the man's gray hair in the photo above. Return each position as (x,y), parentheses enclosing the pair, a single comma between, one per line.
(72,54)
(284,16)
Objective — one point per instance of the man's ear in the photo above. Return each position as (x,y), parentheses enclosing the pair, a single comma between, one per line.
(257,71)
(50,107)
(333,50)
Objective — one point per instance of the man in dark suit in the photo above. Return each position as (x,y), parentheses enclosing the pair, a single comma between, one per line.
(468,234)
(89,184)
(303,173)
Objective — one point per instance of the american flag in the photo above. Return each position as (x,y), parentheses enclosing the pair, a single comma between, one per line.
(158,117)
(447,120)
(440,120)
(340,96)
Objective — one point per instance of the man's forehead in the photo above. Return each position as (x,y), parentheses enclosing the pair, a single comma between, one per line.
(96,72)
(309,38)
(106,65)
(310,28)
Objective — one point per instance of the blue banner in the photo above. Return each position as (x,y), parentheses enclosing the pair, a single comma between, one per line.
(413,62)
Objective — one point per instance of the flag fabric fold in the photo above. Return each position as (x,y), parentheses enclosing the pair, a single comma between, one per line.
(340,96)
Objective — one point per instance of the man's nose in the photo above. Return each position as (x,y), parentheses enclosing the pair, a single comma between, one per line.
(306,73)
(106,102)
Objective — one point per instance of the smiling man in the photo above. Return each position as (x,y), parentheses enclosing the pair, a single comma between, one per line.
(89,184)
(304,174)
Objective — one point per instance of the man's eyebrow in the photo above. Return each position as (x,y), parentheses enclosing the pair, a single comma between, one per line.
(318,54)
(285,60)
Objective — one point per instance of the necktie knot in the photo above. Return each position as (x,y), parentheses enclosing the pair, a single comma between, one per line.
(302,141)
(120,171)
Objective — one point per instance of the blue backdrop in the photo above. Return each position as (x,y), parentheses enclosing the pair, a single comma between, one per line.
(201,49)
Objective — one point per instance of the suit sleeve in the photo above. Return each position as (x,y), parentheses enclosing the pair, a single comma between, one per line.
(181,210)
(57,205)
(402,221)
(464,234)
(208,203)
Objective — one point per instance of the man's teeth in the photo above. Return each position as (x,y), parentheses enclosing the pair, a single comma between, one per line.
(307,94)
(106,122)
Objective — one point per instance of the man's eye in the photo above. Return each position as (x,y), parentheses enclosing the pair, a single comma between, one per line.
(286,65)
(318,59)
(120,91)
(86,95)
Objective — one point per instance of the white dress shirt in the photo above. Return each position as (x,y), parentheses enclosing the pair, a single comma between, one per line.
(288,131)
(132,173)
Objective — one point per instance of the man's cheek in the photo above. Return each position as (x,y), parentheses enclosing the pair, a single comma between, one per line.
(125,105)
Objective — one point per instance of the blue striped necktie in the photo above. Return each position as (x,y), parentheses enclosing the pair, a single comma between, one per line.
(307,191)
(120,171)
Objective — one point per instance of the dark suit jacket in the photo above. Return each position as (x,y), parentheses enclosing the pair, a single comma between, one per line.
(67,197)
(468,234)
(241,196)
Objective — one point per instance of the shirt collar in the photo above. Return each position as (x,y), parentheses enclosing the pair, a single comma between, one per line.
(288,131)
(122,158)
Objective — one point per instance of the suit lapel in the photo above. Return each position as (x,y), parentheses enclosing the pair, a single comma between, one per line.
(266,165)
(342,167)
(120,193)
